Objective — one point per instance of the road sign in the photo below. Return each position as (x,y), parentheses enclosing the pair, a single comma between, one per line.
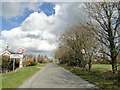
(20,50)
(16,56)
(83,51)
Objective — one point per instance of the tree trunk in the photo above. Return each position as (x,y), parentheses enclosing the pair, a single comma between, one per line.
(114,65)
(90,65)
(113,56)
(111,40)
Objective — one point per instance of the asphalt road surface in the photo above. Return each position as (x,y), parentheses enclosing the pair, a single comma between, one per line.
(54,76)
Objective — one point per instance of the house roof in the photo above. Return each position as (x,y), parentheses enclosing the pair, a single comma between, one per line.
(9,52)
(5,52)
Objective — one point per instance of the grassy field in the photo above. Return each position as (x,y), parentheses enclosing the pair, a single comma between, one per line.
(16,78)
(100,75)
(0,81)
(103,67)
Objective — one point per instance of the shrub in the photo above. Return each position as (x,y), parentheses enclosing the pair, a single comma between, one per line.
(33,63)
(7,64)
(29,62)
(25,63)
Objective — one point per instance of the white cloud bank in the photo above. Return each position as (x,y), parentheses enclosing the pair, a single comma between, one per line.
(38,32)
(12,9)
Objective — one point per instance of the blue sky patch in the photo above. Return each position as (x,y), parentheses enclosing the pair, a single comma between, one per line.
(9,23)
(48,8)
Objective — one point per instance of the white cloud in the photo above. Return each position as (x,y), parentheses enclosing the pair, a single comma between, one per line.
(36,21)
(31,40)
(12,9)
(2,45)
(38,32)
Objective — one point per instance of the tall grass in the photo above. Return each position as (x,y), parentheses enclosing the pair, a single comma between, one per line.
(101,76)
(16,78)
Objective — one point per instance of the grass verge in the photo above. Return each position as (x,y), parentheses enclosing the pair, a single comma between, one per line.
(104,79)
(16,78)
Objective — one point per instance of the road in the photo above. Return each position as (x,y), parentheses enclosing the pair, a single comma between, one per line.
(54,76)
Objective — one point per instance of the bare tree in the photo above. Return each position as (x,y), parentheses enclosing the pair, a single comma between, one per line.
(72,41)
(105,26)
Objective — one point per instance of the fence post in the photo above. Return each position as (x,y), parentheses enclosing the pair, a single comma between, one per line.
(13,64)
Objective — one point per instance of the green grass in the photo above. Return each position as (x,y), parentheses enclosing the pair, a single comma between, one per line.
(16,78)
(100,75)
(101,67)
(0,81)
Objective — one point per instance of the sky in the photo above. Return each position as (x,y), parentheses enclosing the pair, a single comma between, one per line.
(35,26)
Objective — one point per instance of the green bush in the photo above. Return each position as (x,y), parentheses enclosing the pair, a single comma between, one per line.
(32,63)
(29,63)
(7,64)
(25,63)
